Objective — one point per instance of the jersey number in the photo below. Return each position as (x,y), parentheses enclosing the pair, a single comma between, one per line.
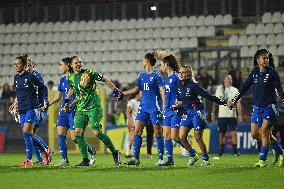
(146,87)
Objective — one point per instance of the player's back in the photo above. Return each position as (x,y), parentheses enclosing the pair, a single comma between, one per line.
(150,86)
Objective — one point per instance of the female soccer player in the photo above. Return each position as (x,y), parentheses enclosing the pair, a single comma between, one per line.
(89,107)
(151,84)
(194,114)
(65,119)
(171,120)
(27,100)
(39,143)
(264,80)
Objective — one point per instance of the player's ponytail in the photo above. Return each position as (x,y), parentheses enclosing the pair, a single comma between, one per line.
(67,62)
(150,58)
(172,61)
(189,71)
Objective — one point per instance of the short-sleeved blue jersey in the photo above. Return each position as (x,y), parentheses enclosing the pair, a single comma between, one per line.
(188,93)
(27,86)
(264,85)
(150,85)
(171,92)
(64,87)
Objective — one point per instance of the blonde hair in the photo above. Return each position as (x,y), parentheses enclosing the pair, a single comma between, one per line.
(190,72)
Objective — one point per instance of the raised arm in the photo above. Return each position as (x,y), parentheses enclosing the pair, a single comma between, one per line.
(56,98)
(243,89)
(131,91)
(202,92)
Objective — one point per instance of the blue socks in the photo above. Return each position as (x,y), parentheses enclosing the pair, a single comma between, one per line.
(169,149)
(36,151)
(62,146)
(136,146)
(39,143)
(276,146)
(263,153)
(160,146)
(29,145)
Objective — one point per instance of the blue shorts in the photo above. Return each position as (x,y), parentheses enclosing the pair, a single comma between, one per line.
(225,123)
(173,121)
(29,117)
(155,116)
(66,119)
(42,118)
(269,113)
(194,118)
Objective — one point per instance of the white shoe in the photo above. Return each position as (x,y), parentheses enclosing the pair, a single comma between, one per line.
(160,162)
(192,160)
(62,163)
(93,157)
(205,163)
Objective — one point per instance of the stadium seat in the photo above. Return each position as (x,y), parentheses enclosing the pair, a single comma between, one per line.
(131,23)
(282,18)
(25,27)
(268,28)
(8,38)
(33,27)
(192,21)
(32,37)
(244,51)
(106,25)
(259,28)
(252,40)
(266,18)
(233,40)
(227,19)
(276,17)
(192,31)
(157,23)
(260,40)
(10,28)
(50,26)
(250,29)
(174,22)
(242,40)
(278,28)
(280,50)
(218,20)
(272,49)
(210,31)
(183,21)
(2,28)
(201,31)
(279,39)
(200,20)
(209,20)
(270,39)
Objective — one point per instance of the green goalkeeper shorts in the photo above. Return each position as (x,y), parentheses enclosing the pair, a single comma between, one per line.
(93,117)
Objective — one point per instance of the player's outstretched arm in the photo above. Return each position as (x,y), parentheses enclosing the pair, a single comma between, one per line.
(108,82)
(56,98)
(131,91)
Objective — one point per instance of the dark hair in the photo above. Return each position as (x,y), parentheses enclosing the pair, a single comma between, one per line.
(67,62)
(150,57)
(258,54)
(271,60)
(132,96)
(72,58)
(172,61)
(23,58)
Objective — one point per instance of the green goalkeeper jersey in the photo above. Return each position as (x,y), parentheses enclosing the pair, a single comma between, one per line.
(84,84)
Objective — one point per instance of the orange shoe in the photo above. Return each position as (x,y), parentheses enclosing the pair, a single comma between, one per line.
(47,156)
(26,163)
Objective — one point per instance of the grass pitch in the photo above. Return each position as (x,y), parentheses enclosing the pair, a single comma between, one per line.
(227,172)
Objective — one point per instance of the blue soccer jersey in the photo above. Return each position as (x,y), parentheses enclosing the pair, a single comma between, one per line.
(40,96)
(171,93)
(151,101)
(65,119)
(194,115)
(27,86)
(150,85)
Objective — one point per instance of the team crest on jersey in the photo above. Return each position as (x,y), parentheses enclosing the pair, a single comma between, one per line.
(85,78)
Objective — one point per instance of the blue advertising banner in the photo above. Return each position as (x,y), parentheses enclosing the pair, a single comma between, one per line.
(246,144)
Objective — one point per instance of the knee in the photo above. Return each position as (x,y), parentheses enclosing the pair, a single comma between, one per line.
(167,135)
(198,138)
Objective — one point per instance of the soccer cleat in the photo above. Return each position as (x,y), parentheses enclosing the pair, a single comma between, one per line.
(281,160)
(205,163)
(62,163)
(128,156)
(93,156)
(160,162)
(275,157)
(47,156)
(260,163)
(27,163)
(168,163)
(132,161)
(116,157)
(39,162)
(83,164)
(236,154)
(192,160)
